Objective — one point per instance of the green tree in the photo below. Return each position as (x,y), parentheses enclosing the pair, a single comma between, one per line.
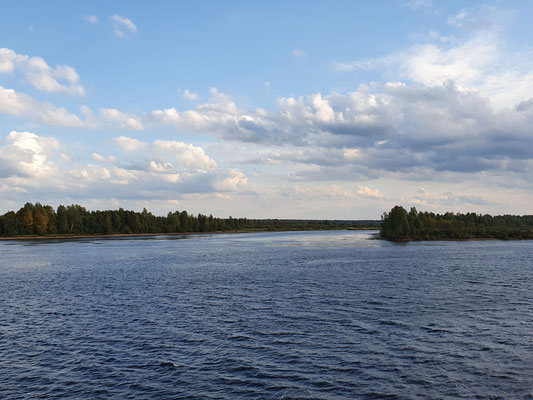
(61,220)
(40,219)
(395,224)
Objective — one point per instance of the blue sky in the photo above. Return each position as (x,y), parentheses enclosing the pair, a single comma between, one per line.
(276,109)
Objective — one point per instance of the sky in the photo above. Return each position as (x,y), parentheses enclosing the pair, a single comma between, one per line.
(300,109)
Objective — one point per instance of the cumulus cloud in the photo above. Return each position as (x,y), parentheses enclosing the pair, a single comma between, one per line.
(365,191)
(234,181)
(100,158)
(62,78)
(122,24)
(166,156)
(395,126)
(25,106)
(190,95)
(480,60)
(125,121)
(26,154)
(183,166)
(461,106)
(186,154)
(157,170)
(220,114)
(129,144)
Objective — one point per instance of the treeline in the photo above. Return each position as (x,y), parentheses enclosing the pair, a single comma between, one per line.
(36,219)
(398,224)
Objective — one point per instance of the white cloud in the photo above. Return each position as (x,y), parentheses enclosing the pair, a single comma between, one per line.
(219,111)
(234,181)
(363,65)
(160,170)
(26,154)
(62,78)
(100,158)
(129,144)
(192,157)
(419,4)
(89,174)
(458,19)
(92,19)
(126,121)
(299,53)
(413,132)
(462,106)
(365,191)
(167,156)
(190,95)
(24,106)
(399,126)
(168,163)
(121,24)
(480,60)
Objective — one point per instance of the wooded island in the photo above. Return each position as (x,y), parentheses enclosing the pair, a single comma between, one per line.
(400,225)
(75,220)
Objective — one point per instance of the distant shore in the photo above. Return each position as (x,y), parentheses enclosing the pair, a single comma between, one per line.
(126,235)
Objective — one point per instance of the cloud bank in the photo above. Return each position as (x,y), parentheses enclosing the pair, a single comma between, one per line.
(163,169)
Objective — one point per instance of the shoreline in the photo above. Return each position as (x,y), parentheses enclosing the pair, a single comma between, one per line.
(375,236)
(127,235)
(451,240)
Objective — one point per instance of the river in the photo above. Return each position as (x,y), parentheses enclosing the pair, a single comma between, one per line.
(310,315)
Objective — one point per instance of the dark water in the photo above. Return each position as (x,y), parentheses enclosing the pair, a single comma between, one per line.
(276,315)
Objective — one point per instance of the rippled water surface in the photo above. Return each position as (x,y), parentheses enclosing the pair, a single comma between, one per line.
(274,315)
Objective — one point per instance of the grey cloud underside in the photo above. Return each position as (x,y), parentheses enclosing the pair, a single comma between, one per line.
(445,128)
(395,127)
(6,168)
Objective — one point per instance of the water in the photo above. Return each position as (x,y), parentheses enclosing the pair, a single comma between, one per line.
(329,315)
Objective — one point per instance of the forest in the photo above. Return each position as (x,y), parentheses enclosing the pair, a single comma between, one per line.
(400,225)
(43,220)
